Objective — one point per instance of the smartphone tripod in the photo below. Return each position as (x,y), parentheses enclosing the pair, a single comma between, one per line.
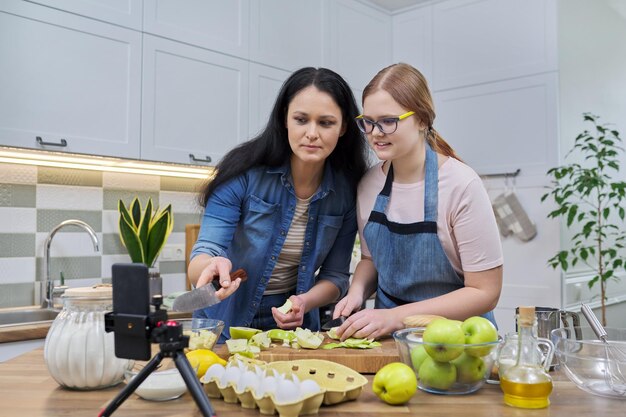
(172,342)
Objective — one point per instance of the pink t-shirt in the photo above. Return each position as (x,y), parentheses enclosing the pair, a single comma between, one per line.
(466,225)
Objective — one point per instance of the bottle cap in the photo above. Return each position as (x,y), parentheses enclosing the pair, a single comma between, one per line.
(526,315)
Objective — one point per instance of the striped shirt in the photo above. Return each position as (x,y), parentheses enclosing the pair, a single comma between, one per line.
(285,273)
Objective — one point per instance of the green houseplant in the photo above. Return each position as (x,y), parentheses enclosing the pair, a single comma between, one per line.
(593,206)
(144,232)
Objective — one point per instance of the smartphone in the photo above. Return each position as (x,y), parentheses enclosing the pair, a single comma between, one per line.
(131,307)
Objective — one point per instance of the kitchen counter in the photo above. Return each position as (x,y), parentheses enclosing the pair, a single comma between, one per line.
(28,390)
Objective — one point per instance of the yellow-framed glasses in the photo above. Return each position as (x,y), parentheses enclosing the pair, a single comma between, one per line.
(386,125)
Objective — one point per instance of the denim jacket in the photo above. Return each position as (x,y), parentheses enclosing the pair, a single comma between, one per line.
(246,220)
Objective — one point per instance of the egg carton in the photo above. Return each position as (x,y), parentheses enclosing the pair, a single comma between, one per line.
(340,382)
(335,384)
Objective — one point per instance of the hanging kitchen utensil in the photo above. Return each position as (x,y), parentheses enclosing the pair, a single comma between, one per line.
(511,216)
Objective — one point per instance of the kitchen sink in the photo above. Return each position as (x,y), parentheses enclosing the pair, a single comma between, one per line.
(21,316)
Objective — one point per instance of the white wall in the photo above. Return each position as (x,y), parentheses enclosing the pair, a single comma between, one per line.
(592,78)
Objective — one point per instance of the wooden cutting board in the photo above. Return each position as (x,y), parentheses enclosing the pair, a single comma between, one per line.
(365,361)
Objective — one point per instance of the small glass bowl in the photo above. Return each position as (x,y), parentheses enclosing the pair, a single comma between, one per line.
(477,366)
(160,385)
(203,333)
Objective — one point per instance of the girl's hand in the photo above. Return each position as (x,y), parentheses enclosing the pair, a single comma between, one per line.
(370,324)
(219,268)
(293,318)
(347,305)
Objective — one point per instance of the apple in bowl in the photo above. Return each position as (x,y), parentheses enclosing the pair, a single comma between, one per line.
(450,356)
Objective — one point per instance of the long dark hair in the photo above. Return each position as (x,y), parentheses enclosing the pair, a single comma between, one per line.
(271,147)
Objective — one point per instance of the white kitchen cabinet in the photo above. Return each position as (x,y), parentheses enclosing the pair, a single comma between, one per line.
(195,102)
(358,43)
(127,13)
(265,83)
(213,24)
(73,82)
(487,40)
(502,126)
(287,34)
(413,39)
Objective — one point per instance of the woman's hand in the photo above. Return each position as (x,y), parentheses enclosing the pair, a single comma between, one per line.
(370,324)
(219,268)
(293,318)
(347,305)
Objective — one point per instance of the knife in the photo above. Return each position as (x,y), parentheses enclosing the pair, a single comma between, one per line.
(334,323)
(204,296)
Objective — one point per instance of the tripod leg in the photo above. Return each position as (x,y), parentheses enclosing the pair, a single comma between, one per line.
(192,382)
(132,385)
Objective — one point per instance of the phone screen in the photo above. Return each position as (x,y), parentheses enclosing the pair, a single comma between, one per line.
(131,305)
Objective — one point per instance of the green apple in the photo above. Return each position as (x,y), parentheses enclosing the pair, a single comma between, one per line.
(469,369)
(479,330)
(242,332)
(418,354)
(395,383)
(439,335)
(438,375)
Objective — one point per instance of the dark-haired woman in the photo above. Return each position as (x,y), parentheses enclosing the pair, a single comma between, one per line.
(429,238)
(283,207)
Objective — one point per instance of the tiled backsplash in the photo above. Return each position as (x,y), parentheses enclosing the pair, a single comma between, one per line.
(35,199)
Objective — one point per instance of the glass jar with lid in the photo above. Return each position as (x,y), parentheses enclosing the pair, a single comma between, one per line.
(78,352)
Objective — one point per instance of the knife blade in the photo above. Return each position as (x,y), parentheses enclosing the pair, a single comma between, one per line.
(334,323)
(204,296)
(198,298)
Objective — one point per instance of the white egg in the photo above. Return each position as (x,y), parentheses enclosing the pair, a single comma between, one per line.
(231,376)
(308,387)
(287,392)
(247,381)
(267,386)
(214,372)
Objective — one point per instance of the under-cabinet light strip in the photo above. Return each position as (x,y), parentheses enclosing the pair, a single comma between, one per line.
(101,164)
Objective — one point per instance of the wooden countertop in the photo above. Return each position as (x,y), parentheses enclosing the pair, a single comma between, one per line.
(28,390)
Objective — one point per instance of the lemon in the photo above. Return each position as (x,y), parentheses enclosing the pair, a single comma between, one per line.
(243,332)
(203,359)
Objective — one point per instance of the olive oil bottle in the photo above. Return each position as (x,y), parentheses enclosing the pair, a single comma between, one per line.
(526,384)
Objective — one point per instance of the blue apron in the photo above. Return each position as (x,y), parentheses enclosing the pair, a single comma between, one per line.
(411,263)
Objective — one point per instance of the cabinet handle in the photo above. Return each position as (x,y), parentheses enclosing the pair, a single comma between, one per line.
(61,144)
(194,159)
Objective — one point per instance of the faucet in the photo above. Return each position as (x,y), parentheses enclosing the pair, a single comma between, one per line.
(48,284)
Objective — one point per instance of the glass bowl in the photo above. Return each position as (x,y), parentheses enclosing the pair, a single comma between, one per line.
(203,333)
(160,385)
(585,362)
(463,375)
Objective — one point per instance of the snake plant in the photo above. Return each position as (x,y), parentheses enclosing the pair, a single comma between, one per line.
(144,233)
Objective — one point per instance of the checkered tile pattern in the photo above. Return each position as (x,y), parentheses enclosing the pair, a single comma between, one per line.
(35,199)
